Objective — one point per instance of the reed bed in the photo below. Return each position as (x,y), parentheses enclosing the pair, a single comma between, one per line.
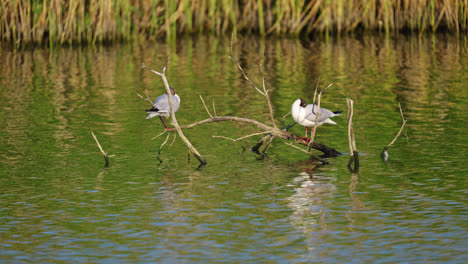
(91,21)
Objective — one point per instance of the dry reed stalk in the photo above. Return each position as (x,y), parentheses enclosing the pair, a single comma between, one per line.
(60,21)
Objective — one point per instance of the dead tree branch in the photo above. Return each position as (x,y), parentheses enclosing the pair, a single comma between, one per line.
(384,154)
(352,143)
(104,154)
(272,131)
(146,99)
(173,116)
(317,115)
(265,91)
(244,137)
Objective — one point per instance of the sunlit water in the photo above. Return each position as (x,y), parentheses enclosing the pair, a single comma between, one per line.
(58,203)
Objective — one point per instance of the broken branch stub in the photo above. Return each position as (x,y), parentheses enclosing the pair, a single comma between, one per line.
(352,143)
(104,154)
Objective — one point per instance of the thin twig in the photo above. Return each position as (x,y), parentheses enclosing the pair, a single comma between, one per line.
(265,91)
(384,153)
(316,88)
(151,70)
(206,108)
(147,95)
(214,108)
(296,147)
(164,143)
(173,140)
(240,67)
(317,115)
(146,99)
(104,154)
(165,130)
(244,137)
(401,128)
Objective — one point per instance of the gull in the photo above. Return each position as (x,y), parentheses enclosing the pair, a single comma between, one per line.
(161,106)
(304,114)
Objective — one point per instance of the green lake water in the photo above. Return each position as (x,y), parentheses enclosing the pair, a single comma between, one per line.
(58,204)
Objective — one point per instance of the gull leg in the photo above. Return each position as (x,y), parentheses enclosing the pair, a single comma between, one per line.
(163,121)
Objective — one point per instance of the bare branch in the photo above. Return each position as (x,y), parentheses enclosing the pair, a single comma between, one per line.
(244,137)
(232,57)
(352,143)
(143,66)
(301,149)
(384,153)
(316,88)
(165,65)
(173,140)
(283,134)
(327,87)
(206,108)
(265,91)
(146,99)
(267,95)
(164,143)
(173,116)
(317,115)
(230,118)
(104,154)
(214,108)
(162,133)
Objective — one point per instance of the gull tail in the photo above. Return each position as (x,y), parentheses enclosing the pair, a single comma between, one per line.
(338,113)
(152,112)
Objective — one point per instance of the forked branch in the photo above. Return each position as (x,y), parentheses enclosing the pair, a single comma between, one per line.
(265,91)
(173,116)
(104,154)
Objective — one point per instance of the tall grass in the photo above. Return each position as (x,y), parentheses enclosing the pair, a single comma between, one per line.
(61,21)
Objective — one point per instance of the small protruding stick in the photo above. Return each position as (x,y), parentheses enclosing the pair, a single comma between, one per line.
(384,154)
(173,116)
(214,109)
(206,108)
(146,99)
(352,143)
(317,115)
(104,154)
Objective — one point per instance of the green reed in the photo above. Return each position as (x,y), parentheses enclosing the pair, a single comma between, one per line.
(91,21)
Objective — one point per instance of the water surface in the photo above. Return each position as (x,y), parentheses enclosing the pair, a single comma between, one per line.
(58,203)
